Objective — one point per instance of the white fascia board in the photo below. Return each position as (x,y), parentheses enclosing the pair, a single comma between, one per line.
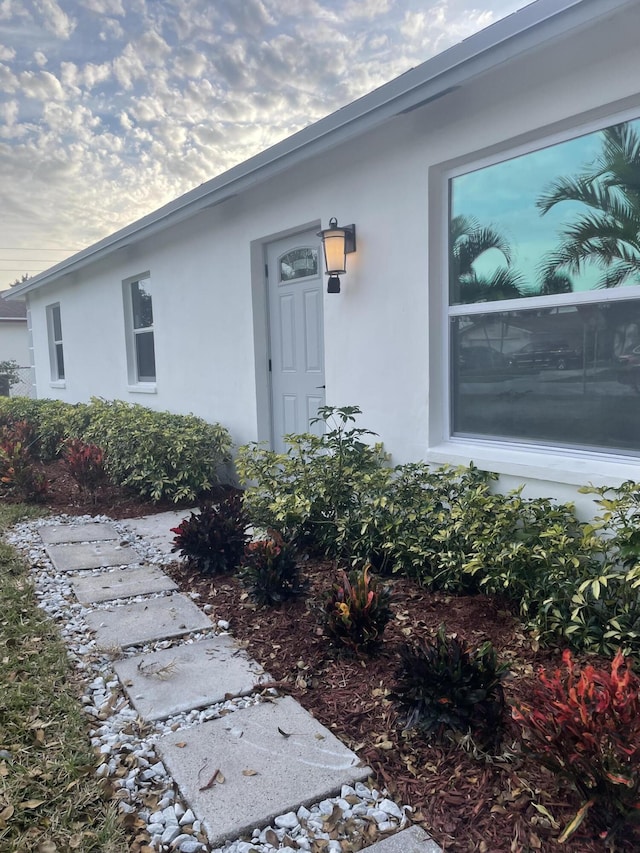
(538,23)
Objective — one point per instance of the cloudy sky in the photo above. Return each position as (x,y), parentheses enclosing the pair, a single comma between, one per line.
(110,108)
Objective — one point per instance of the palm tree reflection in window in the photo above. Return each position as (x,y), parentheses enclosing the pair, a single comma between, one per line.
(468,242)
(608,233)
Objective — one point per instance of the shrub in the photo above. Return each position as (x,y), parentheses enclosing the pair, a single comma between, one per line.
(158,454)
(85,463)
(19,475)
(214,539)
(584,726)
(313,493)
(445,686)
(424,523)
(357,610)
(271,570)
(52,422)
(9,373)
(599,608)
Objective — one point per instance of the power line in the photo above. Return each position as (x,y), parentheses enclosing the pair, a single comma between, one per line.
(26,249)
(28,260)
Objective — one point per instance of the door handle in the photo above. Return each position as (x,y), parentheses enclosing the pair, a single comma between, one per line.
(321,386)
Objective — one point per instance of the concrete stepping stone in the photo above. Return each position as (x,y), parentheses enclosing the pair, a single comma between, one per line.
(266,773)
(145,621)
(54,534)
(120,583)
(410,840)
(90,555)
(156,529)
(186,677)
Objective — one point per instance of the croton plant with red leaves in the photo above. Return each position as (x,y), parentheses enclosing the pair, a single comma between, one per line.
(584,725)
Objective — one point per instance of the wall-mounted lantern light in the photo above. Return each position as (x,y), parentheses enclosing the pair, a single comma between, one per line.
(338,241)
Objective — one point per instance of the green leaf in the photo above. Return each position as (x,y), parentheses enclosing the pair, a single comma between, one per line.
(576,822)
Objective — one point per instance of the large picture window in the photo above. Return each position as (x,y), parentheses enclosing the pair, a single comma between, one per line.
(544,295)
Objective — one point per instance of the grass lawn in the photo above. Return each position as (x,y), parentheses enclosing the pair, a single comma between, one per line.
(50,801)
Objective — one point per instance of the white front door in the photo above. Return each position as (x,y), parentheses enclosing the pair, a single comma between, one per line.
(294,273)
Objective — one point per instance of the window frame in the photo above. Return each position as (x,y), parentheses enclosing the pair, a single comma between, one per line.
(520,458)
(136,382)
(56,346)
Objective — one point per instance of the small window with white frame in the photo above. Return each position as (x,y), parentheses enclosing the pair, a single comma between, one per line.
(138,306)
(544,295)
(56,351)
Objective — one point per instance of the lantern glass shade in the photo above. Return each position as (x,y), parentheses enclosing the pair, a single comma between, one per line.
(334,242)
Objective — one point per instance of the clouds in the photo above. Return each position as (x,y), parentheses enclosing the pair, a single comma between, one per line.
(55,19)
(109,109)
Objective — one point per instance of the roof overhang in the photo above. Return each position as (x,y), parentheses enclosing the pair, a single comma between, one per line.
(539,23)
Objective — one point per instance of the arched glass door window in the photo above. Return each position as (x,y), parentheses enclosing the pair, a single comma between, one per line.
(298,263)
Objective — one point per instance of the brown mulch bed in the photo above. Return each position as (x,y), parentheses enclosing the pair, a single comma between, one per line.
(467,800)
(63,496)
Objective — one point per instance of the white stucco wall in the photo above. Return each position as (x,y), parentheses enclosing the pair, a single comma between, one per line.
(383,333)
(14,345)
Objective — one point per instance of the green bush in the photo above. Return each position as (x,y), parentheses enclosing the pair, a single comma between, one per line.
(426,528)
(9,374)
(52,421)
(158,454)
(601,612)
(334,494)
(314,492)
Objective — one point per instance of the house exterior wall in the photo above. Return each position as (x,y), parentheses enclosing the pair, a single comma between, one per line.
(384,346)
(14,344)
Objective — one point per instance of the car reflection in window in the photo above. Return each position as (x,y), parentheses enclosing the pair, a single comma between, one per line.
(556,355)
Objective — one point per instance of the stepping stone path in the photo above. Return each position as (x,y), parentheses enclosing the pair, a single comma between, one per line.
(144,621)
(273,757)
(254,774)
(90,555)
(161,684)
(120,583)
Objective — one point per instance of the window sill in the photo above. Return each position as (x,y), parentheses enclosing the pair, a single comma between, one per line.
(573,468)
(143,388)
(57,383)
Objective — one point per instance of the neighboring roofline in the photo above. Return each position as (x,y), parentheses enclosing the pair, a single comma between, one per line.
(535,24)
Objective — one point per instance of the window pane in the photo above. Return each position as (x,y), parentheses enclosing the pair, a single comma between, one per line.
(565,376)
(57,325)
(60,361)
(565,219)
(145,357)
(299,263)
(142,307)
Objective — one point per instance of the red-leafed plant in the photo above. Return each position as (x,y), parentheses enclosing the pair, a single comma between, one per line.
(85,463)
(213,539)
(357,610)
(584,725)
(271,570)
(19,474)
